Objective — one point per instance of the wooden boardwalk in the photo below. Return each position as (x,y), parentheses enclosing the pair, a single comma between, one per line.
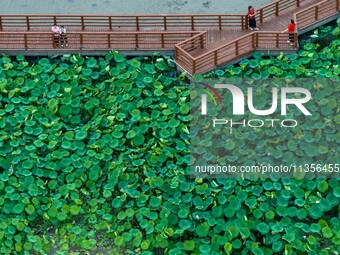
(200,42)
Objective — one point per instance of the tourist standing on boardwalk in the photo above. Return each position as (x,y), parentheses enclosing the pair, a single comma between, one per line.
(252,19)
(63,36)
(291,29)
(56,34)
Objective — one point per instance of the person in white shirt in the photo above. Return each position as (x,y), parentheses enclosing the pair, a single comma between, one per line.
(56,34)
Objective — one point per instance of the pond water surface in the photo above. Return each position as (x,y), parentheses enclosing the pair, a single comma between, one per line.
(127,6)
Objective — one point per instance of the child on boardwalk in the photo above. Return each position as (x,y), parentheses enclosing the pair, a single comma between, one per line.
(252,19)
(63,36)
(291,29)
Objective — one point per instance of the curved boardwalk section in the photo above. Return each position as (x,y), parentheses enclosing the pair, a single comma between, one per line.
(200,42)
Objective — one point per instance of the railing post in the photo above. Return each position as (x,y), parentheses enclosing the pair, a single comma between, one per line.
(28,23)
(25,40)
(82,23)
(81,41)
(53,43)
(192,23)
(136,39)
(162,36)
(298,3)
(164,23)
(109,41)
(242,22)
(0,23)
(236,48)
(257,40)
(295,40)
(247,22)
(215,58)
(202,43)
(277,40)
(55,19)
(261,16)
(253,40)
(194,66)
(137,23)
(316,12)
(110,23)
(277,8)
(220,22)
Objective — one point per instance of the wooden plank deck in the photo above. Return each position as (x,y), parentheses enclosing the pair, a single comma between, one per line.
(218,38)
(202,42)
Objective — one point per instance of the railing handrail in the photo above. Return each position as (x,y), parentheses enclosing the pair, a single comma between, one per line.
(238,39)
(136,15)
(183,51)
(310,7)
(191,38)
(225,45)
(317,8)
(120,15)
(104,32)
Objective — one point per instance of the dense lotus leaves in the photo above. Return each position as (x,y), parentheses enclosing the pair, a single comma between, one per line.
(94,157)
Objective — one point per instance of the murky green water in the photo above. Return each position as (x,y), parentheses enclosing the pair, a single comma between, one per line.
(127,6)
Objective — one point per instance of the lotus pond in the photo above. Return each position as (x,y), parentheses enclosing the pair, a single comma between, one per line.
(94,156)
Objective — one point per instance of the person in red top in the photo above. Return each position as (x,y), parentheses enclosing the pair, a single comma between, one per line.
(291,28)
(251,18)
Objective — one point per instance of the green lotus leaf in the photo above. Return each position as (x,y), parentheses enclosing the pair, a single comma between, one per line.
(80,135)
(131,134)
(118,58)
(38,143)
(61,216)
(189,245)
(138,140)
(74,210)
(184,109)
(44,61)
(58,70)
(30,209)
(86,71)
(28,164)
(160,64)
(91,63)
(18,208)
(323,186)
(19,81)
(202,230)
(65,110)
(9,107)
(147,80)
(158,92)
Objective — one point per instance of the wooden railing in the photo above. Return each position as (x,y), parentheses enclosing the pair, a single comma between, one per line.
(157,32)
(186,61)
(183,49)
(127,22)
(235,50)
(257,40)
(193,43)
(316,12)
(164,22)
(164,40)
(275,9)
